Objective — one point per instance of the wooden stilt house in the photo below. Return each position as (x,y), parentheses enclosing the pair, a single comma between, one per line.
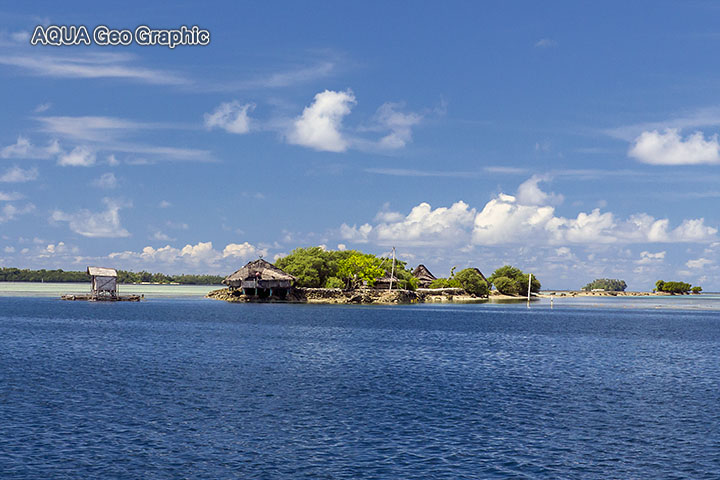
(262,279)
(103,282)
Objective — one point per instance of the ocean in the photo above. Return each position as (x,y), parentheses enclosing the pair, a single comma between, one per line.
(185,387)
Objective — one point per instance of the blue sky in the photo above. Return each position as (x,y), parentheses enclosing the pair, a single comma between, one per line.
(576,142)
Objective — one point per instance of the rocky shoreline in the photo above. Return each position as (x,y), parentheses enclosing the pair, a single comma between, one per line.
(363,296)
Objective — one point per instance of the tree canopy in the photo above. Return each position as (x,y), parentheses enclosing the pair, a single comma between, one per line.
(468,279)
(607,284)
(472,282)
(316,267)
(512,281)
(25,275)
(672,287)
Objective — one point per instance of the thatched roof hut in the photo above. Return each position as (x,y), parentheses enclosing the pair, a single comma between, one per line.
(423,275)
(259,274)
(383,283)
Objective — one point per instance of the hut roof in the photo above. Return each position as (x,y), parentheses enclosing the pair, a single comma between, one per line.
(260,270)
(386,278)
(481,274)
(422,273)
(101,272)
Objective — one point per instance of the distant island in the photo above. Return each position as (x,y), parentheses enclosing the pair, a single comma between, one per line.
(124,277)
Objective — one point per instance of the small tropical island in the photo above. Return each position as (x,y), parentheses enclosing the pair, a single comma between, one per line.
(604,287)
(317,275)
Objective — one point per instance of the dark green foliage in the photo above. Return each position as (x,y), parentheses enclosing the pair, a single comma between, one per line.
(334,282)
(17,275)
(445,283)
(696,289)
(672,287)
(517,277)
(472,282)
(607,284)
(505,285)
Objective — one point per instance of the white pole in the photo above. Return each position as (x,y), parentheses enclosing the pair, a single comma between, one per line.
(529,285)
(392,271)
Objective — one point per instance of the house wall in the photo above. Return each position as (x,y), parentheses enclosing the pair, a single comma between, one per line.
(104,284)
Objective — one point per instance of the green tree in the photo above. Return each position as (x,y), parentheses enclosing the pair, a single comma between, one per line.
(672,287)
(519,279)
(696,289)
(505,285)
(472,282)
(445,283)
(312,266)
(334,282)
(359,268)
(607,284)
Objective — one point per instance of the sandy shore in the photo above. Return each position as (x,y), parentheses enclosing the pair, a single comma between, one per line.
(582,293)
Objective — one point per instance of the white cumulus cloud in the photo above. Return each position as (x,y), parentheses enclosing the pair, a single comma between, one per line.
(425,226)
(647,258)
(529,193)
(10,212)
(320,125)
(230,116)
(669,148)
(80,156)
(698,263)
(23,148)
(106,181)
(19,175)
(10,197)
(400,125)
(505,220)
(198,256)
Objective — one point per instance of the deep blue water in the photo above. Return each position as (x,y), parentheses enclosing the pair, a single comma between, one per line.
(203,389)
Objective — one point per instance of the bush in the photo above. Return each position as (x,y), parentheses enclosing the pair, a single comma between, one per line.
(445,283)
(607,284)
(696,289)
(472,282)
(672,287)
(315,266)
(519,279)
(334,282)
(505,285)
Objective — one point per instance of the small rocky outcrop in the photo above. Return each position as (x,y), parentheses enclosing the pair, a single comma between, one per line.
(324,295)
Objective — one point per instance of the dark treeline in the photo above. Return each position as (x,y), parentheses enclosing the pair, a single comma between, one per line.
(25,275)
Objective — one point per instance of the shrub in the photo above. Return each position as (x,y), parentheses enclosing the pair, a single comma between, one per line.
(505,285)
(472,282)
(334,282)
(607,284)
(519,279)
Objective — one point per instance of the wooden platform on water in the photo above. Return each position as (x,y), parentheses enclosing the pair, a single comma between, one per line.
(88,297)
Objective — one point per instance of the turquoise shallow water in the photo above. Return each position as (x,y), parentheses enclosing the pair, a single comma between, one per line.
(31,289)
(194,388)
